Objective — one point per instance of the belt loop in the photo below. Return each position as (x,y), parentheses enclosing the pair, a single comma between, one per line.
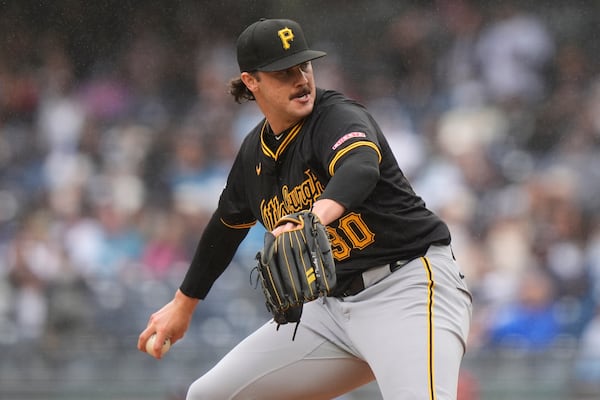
(374,275)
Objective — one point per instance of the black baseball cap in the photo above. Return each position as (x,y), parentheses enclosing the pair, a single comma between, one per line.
(273,45)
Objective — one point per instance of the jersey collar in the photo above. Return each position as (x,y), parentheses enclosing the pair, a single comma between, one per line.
(282,144)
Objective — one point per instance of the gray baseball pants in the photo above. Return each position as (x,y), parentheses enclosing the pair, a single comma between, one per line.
(408,331)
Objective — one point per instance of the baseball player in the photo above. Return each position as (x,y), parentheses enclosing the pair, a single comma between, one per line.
(401,310)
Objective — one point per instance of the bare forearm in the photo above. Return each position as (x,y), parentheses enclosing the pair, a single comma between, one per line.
(327,210)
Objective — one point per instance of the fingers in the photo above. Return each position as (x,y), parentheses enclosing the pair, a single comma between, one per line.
(289,226)
(157,343)
(157,348)
(144,336)
(170,322)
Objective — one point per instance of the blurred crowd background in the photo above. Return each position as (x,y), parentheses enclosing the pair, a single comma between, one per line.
(117,133)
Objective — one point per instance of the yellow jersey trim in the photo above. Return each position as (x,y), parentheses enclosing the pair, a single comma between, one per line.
(351,147)
(239,226)
(283,145)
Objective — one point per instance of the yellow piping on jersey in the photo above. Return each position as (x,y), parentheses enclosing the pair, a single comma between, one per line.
(283,145)
(240,226)
(430,328)
(345,150)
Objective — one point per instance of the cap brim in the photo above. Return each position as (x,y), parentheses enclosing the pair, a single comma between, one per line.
(292,60)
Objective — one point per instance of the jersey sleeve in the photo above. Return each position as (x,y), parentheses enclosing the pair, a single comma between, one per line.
(222,236)
(342,128)
(346,143)
(214,252)
(234,206)
(354,179)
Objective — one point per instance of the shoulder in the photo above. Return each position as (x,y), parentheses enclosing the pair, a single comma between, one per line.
(247,150)
(332,101)
(333,107)
(253,136)
(328,98)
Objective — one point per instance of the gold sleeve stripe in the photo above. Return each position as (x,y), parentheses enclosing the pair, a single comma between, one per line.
(430,328)
(345,150)
(239,226)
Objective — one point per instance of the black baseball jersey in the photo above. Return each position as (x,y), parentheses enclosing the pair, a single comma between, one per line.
(271,178)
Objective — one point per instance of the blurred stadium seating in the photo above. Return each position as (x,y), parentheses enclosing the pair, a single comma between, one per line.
(116,135)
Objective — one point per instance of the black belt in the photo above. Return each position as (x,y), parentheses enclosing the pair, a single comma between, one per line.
(371,276)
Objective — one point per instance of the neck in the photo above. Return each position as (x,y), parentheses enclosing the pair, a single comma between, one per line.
(276,122)
(278,128)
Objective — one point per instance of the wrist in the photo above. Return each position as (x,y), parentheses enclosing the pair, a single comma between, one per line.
(185,302)
(327,210)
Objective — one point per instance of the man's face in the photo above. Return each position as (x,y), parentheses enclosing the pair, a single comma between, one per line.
(287,96)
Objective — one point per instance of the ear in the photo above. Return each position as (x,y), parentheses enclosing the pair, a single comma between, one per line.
(250,80)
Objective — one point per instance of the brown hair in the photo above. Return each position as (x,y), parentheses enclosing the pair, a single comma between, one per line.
(240,91)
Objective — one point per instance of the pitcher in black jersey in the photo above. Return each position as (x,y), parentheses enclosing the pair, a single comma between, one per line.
(401,312)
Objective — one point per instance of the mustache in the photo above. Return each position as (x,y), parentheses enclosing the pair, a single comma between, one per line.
(302,92)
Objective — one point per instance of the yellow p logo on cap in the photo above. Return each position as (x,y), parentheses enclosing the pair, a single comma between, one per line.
(286,35)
